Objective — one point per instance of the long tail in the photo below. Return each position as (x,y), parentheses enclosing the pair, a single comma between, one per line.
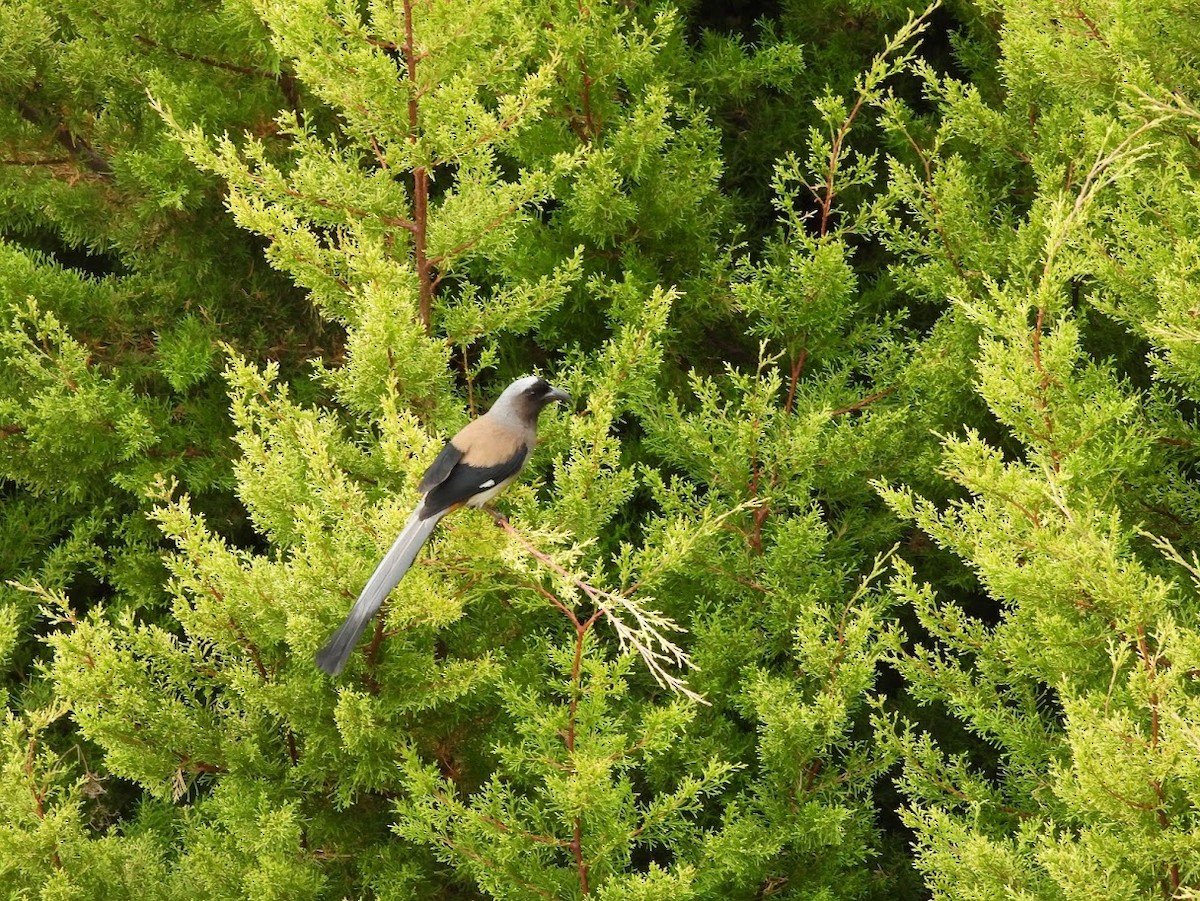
(390,570)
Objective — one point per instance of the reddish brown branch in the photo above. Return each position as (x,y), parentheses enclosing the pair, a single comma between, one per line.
(1150,664)
(485,138)
(492,865)
(581,866)
(373,656)
(379,157)
(466,370)
(440,260)
(581,630)
(425,279)
(1149,658)
(390,46)
(865,402)
(835,155)
(39,797)
(1093,31)
(1037,341)
(392,221)
(936,207)
(251,649)
(797,368)
(582,627)
(589,130)
(45,161)
(75,145)
(531,836)
(553,599)
(761,512)
(205,60)
(586,127)
(256,657)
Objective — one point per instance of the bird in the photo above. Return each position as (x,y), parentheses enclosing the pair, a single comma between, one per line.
(483,459)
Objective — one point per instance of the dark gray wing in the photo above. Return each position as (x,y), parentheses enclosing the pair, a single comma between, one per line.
(440,468)
(463,482)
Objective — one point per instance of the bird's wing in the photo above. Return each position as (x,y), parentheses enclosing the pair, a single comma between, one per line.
(440,468)
(480,457)
(466,481)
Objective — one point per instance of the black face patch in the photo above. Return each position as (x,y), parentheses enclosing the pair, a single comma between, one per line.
(538,390)
(534,398)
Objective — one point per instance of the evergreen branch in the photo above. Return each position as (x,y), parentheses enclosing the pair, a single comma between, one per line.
(835,155)
(706,527)
(207,60)
(1042,399)
(1149,659)
(488,136)
(647,635)
(496,222)
(378,43)
(504,827)
(46,161)
(794,380)
(865,402)
(531,836)
(372,655)
(763,509)
(864,584)
(553,599)
(1093,31)
(251,648)
(286,80)
(426,285)
(581,866)
(75,145)
(741,580)
(1168,550)
(39,797)
(392,221)
(589,128)
(488,863)
(256,657)
(379,155)
(469,378)
(868,86)
(1106,169)
(1177,106)
(938,218)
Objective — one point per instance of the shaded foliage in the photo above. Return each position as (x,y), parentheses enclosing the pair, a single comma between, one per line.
(865,568)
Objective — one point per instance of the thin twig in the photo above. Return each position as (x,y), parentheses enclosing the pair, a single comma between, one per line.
(866,401)
(648,634)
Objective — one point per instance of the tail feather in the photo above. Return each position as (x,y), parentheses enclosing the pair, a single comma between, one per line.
(388,573)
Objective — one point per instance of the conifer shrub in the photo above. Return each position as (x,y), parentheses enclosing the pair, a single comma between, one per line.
(865,566)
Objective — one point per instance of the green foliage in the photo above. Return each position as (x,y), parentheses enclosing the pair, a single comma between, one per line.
(865,566)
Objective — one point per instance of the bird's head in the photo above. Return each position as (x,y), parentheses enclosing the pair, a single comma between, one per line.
(525,398)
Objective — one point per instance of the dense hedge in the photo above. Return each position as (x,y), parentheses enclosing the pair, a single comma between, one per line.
(884,328)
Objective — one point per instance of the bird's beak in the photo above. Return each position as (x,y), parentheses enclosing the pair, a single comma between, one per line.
(559,395)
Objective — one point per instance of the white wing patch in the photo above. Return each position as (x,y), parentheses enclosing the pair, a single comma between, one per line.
(488,484)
